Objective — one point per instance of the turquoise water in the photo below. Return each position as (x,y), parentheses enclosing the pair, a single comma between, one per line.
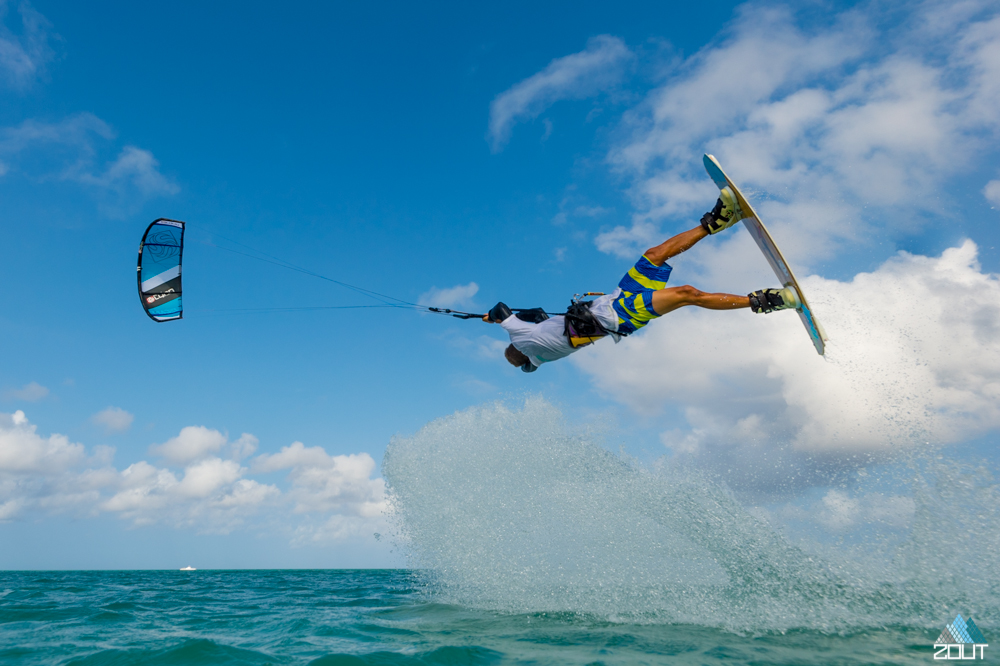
(532,544)
(365,617)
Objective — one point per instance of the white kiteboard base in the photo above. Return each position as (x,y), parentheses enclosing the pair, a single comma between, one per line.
(771,252)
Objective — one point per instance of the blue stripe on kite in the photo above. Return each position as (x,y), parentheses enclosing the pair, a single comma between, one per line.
(172,307)
(159,278)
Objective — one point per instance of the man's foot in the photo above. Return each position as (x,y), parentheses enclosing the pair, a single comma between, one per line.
(725,214)
(769,300)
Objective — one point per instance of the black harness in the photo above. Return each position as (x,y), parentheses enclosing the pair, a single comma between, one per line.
(582,326)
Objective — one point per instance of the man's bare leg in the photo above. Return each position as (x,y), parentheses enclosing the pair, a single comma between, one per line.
(667,300)
(671,298)
(673,246)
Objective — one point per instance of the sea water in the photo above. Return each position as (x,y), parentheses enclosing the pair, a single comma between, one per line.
(370,617)
(533,544)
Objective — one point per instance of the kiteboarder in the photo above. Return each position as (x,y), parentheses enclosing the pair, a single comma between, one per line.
(642,295)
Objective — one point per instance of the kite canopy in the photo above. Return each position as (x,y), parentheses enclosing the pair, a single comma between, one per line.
(159,269)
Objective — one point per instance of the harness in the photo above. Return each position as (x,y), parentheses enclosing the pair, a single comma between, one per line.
(582,326)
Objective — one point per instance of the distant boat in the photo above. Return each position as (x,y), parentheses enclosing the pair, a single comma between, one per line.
(188,569)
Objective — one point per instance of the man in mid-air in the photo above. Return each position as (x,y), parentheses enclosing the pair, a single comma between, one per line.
(642,295)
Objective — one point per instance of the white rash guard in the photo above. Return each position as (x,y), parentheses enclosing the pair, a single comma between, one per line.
(546,341)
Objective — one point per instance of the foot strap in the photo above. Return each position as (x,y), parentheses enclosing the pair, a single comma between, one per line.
(766,300)
(710,220)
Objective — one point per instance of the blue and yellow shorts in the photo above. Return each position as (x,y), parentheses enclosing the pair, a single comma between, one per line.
(634,306)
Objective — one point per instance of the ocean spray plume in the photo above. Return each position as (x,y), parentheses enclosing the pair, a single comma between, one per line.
(505,509)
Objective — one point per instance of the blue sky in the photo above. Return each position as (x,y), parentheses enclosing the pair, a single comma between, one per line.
(523,153)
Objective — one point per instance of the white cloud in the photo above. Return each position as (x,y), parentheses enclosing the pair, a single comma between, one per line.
(839,511)
(30,392)
(193,443)
(321,482)
(451,297)
(77,132)
(845,137)
(328,497)
(135,169)
(914,357)
(629,242)
(22,450)
(324,484)
(211,496)
(591,211)
(113,419)
(548,130)
(490,348)
(851,130)
(244,447)
(68,150)
(46,475)
(576,76)
(992,192)
(43,473)
(23,57)
(207,476)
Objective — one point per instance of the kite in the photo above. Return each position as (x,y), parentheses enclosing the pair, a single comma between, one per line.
(159,269)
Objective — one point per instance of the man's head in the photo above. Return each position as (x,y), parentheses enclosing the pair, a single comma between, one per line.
(514,357)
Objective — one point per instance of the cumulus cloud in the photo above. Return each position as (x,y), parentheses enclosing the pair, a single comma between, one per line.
(23,450)
(569,208)
(914,357)
(40,475)
(328,497)
(845,134)
(24,54)
(992,192)
(841,510)
(322,484)
(48,474)
(30,392)
(851,129)
(244,447)
(450,297)
(113,419)
(838,510)
(193,443)
(70,150)
(628,242)
(595,69)
(134,168)
(211,495)
(79,132)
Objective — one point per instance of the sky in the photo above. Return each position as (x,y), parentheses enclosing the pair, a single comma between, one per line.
(457,155)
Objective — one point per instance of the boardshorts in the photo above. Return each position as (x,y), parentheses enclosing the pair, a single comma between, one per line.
(634,306)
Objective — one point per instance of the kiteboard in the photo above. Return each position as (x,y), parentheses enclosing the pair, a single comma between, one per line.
(771,252)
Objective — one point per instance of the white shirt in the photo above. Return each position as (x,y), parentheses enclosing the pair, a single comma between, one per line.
(546,341)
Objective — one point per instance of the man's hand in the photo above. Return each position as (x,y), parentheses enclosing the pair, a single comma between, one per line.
(498,313)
